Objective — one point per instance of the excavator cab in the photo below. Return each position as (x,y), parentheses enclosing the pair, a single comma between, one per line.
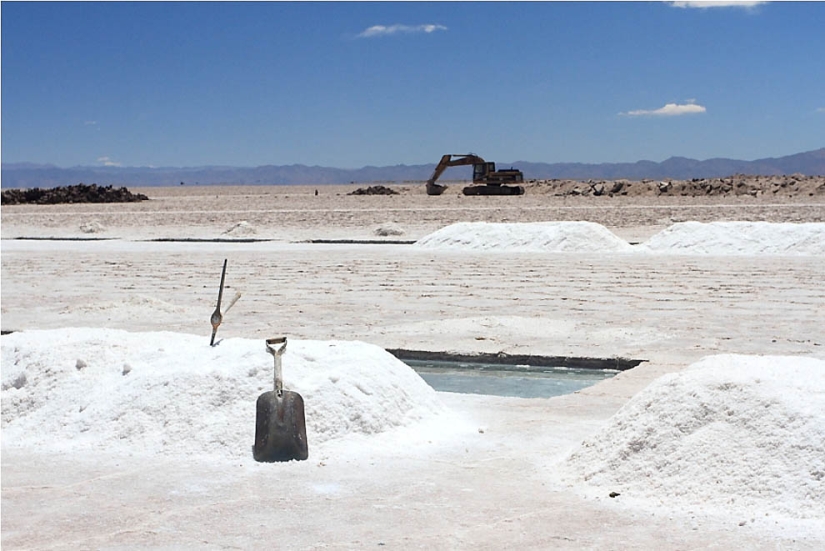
(481,170)
(490,181)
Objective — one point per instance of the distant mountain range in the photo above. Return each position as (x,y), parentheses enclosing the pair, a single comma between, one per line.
(29,175)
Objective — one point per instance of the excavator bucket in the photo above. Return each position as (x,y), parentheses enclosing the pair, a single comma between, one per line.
(435,189)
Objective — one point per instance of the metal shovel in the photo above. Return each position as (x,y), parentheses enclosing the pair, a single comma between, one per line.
(280,427)
(217,317)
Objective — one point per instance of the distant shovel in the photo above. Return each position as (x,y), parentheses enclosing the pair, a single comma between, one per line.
(217,315)
(280,428)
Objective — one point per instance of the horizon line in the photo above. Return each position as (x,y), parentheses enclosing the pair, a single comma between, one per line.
(168,167)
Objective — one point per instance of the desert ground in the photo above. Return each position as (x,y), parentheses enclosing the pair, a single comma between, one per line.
(334,266)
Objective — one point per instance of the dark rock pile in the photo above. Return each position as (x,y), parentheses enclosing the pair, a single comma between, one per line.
(81,193)
(374,190)
(793,185)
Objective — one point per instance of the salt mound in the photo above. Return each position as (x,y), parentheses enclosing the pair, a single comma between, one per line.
(387,230)
(172,393)
(526,237)
(241,228)
(92,227)
(738,433)
(740,238)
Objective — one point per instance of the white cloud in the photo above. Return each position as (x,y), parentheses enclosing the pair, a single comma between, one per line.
(107,161)
(716,4)
(669,110)
(90,123)
(821,110)
(383,30)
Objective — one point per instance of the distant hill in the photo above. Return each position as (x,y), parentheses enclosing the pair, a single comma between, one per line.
(810,163)
(28,175)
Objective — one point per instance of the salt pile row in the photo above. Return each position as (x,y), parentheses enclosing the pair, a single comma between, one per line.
(526,237)
(717,238)
(736,433)
(739,238)
(172,393)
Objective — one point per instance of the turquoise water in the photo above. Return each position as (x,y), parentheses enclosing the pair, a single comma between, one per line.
(506,380)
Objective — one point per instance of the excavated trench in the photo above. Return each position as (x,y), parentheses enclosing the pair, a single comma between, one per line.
(522,376)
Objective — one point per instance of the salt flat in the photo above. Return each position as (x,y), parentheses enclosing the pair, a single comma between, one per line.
(491,486)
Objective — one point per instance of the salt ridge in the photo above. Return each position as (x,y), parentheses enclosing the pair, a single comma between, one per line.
(738,434)
(526,237)
(737,238)
(171,393)
(716,238)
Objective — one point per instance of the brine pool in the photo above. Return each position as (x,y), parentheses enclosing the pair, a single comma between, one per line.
(520,381)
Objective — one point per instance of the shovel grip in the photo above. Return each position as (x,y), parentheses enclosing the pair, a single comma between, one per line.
(277,353)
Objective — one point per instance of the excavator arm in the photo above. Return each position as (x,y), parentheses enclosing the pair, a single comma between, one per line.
(446,162)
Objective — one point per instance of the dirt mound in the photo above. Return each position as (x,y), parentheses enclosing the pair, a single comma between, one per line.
(374,190)
(81,193)
(794,185)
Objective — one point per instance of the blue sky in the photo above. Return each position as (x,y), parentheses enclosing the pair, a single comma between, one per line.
(355,84)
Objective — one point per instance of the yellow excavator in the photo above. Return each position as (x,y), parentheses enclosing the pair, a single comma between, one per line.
(488,180)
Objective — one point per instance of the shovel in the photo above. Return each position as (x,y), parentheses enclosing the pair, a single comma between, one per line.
(217,317)
(280,428)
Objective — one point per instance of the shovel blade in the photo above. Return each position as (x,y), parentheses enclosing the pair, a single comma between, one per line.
(280,428)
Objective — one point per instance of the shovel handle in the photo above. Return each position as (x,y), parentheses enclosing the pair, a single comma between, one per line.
(220,291)
(217,318)
(277,353)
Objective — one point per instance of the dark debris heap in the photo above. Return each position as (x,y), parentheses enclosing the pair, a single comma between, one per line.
(81,193)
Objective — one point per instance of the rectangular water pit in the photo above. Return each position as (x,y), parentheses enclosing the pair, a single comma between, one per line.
(506,380)
(525,376)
